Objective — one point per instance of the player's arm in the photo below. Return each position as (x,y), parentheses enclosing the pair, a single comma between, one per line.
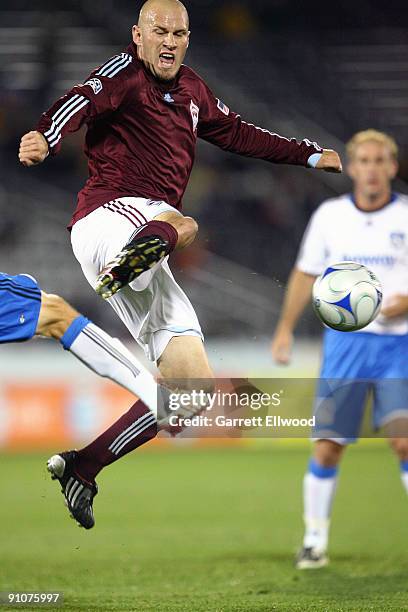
(311,260)
(396,306)
(298,293)
(102,92)
(224,128)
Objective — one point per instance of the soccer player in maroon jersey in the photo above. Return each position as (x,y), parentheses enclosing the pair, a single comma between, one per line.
(144,111)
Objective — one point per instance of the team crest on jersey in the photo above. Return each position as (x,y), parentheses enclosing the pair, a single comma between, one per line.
(397,239)
(95,84)
(223,107)
(194,115)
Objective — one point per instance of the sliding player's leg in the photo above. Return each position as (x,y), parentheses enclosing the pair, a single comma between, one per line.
(103,354)
(55,317)
(26,311)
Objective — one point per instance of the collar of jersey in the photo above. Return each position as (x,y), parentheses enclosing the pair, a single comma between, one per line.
(392,199)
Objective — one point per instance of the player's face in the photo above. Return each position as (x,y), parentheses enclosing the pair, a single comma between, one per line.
(162,38)
(372,168)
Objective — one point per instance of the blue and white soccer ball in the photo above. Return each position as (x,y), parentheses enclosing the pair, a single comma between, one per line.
(347,296)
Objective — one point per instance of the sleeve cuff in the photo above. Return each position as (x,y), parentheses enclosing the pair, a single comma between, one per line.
(314,160)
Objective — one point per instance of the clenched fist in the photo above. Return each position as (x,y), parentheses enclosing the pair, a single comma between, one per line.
(329,161)
(33,149)
(281,346)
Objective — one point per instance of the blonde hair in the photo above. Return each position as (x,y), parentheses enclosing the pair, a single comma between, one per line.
(371,136)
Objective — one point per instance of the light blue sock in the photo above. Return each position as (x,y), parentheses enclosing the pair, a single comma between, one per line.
(73,331)
(319,485)
(320,471)
(404,474)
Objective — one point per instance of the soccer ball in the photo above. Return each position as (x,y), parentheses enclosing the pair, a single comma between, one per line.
(347,296)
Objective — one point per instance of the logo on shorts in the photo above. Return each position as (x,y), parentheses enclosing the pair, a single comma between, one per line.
(95,84)
(194,115)
(154,202)
(22,319)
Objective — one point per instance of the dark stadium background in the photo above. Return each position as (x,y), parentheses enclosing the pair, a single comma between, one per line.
(305,69)
(195,525)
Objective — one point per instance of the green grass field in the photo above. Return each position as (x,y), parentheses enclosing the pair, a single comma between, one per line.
(212,529)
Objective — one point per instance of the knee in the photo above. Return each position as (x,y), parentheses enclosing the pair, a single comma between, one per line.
(400,448)
(187,229)
(328,453)
(180,379)
(202,381)
(56,316)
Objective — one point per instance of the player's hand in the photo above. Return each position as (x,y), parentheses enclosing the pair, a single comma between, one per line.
(329,161)
(33,149)
(281,346)
(397,306)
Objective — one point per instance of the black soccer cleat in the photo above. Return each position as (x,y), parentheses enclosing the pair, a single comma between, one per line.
(137,257)
(78,492)
(311,558)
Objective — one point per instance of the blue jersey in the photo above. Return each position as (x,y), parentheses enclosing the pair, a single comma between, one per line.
(20,304)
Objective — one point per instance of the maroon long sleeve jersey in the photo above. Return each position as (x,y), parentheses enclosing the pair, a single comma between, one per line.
(142,133)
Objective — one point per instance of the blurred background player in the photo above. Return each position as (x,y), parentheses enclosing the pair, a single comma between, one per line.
(144,110)
(369,226)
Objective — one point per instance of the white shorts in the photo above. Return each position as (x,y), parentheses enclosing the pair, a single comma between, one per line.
(153,307)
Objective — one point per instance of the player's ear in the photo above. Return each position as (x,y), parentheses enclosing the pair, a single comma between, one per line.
(136,34)
(394,169)
(350,169)
(188,37)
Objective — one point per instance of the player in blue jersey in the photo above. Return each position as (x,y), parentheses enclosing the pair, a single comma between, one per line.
(369,226)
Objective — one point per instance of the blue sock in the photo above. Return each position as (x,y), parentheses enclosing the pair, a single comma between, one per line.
(73,331)
(404,474)
(404,466)
(320,471)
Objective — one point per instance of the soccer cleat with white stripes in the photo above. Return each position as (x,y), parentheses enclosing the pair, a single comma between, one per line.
(78,493)
(137,257)
(311,558)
